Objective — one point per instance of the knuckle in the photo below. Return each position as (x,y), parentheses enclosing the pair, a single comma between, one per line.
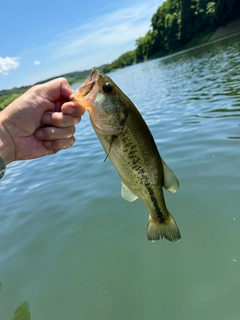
(71,131)
(77,120)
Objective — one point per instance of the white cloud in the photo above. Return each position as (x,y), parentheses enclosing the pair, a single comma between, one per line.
(105,32)
(92,42)
(8,63)
(36,63)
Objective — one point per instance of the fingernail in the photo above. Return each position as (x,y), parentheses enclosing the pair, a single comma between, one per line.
(39,133)
(46,118)
(69,111)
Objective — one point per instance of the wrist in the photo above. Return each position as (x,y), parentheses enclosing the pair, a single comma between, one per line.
(7,147)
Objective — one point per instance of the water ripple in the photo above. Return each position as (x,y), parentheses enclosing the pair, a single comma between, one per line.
(67,236)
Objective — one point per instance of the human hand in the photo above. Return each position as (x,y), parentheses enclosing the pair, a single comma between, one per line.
(40,122)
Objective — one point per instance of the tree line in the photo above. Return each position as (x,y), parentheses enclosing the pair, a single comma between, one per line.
(7,96)
(176,25)
(179,24)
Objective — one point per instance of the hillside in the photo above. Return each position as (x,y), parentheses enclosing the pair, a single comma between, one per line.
(176,25)
(7,96)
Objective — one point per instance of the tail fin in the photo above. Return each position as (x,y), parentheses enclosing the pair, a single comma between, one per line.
(167,229)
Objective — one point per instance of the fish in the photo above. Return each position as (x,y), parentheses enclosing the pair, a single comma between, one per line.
(130,146)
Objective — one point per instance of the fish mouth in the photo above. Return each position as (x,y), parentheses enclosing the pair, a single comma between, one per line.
(86,87)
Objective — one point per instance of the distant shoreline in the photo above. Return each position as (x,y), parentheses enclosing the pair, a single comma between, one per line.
(229,29)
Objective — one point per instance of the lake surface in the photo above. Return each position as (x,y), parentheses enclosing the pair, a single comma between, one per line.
(72,248)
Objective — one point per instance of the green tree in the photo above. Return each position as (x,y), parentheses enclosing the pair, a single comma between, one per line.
(6,100)
(145,47)
(226,11)
(175,25)
(187,20)
(158,25)
(124,60)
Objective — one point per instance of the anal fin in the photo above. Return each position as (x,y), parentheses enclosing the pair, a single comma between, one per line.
(127,194)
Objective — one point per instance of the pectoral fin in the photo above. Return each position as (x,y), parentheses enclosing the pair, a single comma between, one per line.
(112,139)
(127,194)
(171,182)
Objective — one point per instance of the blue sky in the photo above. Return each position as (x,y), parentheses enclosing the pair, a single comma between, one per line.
(43,39)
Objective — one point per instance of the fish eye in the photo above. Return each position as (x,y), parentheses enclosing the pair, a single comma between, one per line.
(107,87)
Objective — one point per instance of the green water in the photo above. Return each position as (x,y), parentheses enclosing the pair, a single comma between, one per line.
(72,248)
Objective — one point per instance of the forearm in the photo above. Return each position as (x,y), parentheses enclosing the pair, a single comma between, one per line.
(7,147)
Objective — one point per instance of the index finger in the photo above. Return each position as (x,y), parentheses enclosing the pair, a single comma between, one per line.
(57,88)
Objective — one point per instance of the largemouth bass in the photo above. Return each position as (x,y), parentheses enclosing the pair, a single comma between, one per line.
(131,148)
